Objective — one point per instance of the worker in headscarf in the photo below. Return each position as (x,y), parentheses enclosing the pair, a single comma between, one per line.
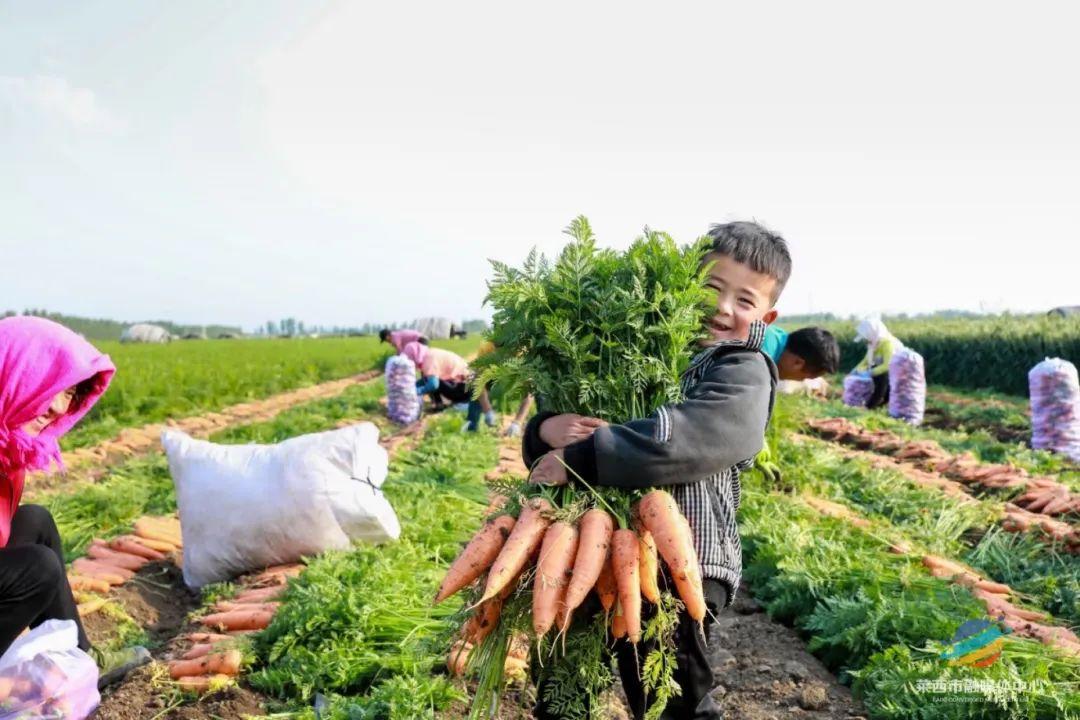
(880,346)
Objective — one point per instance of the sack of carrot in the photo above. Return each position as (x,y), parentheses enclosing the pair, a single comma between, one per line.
(602,334)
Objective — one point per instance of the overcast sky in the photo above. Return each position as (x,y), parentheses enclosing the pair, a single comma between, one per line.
(344,162)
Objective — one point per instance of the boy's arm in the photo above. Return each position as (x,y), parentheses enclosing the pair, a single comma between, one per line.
(721,423)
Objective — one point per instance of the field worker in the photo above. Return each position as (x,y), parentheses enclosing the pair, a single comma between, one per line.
(444,375)
(50,377)
(804,354)
(400,338)
(483,404)
(880,346)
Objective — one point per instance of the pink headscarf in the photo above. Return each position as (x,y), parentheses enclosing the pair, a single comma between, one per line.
(417,352)
(39,359)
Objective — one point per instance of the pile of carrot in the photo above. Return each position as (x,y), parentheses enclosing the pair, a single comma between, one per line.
(573,559)
(114,562)
(210,662)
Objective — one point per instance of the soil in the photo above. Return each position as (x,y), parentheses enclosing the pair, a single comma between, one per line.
(140,697)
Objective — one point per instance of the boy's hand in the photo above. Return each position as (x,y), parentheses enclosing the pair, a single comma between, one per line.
(568,428)
(550,470)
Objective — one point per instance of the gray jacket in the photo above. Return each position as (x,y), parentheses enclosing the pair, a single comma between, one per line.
(696,448)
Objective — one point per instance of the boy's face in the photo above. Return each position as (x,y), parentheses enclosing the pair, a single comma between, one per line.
(742,296)
(792,367)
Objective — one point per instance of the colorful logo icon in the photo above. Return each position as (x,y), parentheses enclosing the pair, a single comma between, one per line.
(976,643)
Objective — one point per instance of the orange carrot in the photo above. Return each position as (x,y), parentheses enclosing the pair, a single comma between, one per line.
(525,538)
(260,594)
(556,561)
(87,584)
(158,545)
(458,658)
(477,556)
(483,620)
(112,557)
(594,545)
(198,651)
(626,564)
(130,545)
(224,606)
(675,543)
(202,637)
(650,588)
(203,683)
(101,571)
(239,620)
(144,528)
(606,588)
(618,623)
(224,663)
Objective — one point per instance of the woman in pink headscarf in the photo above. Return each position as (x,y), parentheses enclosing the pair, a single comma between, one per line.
(49,378)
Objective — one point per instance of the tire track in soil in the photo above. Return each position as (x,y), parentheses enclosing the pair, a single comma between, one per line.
(159,601)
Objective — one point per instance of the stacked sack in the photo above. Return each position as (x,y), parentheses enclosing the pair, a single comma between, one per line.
(403,404)
(857,390)
(1055,407)
(907,386)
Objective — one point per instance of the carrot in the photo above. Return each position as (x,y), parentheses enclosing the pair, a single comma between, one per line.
(90,606)
(674,542)
(130,545)
(477,556)
(458,658)
(224,663)
(525,538)
(626,562)
(158,545)
(606,588)
(224,606)
(100,571)
(87,584)
(146,529)
(556,561)
(7,685)
(618,623)
(198,651)
(239,620)
(123,560)
(203,683)
(201,637)
(594,544)
(933,561)
(260,594)
(993,587)
(650,588)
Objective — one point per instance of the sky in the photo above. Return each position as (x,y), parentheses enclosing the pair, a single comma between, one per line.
(351,162)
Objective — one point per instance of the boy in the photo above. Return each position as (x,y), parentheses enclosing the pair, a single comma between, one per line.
(804,354)
(697,448)
(400,338)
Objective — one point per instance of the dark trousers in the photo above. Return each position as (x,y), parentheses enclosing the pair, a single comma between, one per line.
(454,392)
(33,583)
(881,391)
(693,674)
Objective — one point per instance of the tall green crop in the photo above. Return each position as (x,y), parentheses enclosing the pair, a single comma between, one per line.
(598,332)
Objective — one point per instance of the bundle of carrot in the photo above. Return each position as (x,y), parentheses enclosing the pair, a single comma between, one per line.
(604,334)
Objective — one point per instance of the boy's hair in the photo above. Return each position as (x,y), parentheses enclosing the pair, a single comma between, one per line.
(759,248)
(817,347)
(384,334)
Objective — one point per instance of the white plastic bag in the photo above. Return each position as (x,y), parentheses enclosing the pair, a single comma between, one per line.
(244,507)
(907,386)
(1055,407)
(858,389)
(45,676)
(403,404)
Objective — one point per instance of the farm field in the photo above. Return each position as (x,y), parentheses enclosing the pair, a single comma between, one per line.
(183,378)
(859,569)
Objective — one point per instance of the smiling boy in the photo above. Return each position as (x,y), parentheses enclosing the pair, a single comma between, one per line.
(696,448)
